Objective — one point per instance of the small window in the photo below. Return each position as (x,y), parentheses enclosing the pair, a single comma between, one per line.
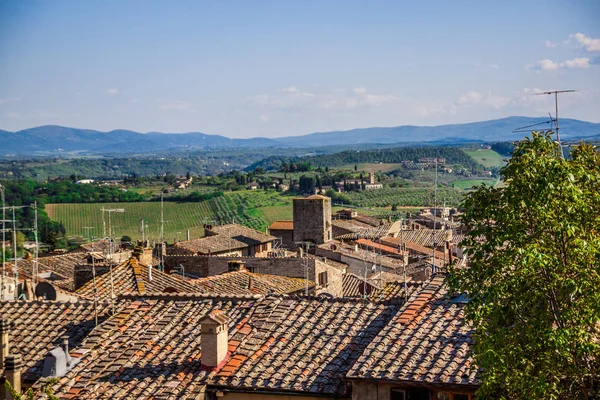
(323,278)
(397,394)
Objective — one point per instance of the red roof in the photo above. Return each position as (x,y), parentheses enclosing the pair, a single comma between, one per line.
(282,226)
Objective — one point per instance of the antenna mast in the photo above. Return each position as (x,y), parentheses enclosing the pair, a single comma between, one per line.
(555,93)
(3,241)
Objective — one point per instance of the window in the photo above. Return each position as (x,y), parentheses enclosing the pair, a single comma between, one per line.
(397,394)
(323,278)
(452,396)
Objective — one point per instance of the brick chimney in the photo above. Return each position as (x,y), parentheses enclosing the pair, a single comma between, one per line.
(12,372)
(4,339)
(214,338)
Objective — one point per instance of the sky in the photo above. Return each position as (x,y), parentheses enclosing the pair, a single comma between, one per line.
(278,68)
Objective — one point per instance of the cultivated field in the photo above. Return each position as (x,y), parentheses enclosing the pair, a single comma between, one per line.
(487,158)
(244,207)
(469,183)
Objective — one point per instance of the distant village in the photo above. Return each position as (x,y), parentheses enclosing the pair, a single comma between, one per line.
(327,305)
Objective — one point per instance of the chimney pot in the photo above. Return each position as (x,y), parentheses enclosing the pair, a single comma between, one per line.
(12,371)
(4,339)
(65,344)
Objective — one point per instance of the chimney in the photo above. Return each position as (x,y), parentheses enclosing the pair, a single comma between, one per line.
(65,347)
(188,235)
(236,265)
(12,372)
(4,339)
(214,338)
(300,252)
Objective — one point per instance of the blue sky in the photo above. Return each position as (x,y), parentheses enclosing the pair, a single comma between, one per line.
(277,68)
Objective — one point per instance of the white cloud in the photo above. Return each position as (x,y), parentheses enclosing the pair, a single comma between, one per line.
(175,105)
(13,115)
(545,65)
(134,100)
(549,65)
(112,92)
(471,97)
(588,43)
(291,89)
(360,90)
(264,118)
(581,62)
(551,44)
(489,100)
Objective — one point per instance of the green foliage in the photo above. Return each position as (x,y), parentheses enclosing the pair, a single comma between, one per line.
(401,196)
(534,251)
(45,391)
(452,155)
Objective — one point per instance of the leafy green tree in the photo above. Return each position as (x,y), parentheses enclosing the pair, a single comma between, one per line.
(45,391)
(534,274)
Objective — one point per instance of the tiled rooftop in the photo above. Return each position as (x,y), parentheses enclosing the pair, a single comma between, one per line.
(208,245)
(243,234)
(245,282)
(427,341)
(424,237)
(37,327)
(132,277)
(223,238)
(152,348)
(355,286)
(282,226)
(413,247)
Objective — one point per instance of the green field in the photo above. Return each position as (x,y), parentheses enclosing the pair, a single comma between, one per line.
(487,158)
(469,183)
(244,207)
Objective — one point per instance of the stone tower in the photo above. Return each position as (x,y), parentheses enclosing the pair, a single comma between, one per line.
(312,219)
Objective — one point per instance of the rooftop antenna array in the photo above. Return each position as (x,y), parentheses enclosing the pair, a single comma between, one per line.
(91,237)
(555,120)
(435,212)
(555,93)
(14,231)
(108,251)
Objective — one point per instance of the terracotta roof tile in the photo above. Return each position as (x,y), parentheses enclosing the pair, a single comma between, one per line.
(245,282)
(282,226)
(37,327)
(133,277)
(278,344)
(431,343)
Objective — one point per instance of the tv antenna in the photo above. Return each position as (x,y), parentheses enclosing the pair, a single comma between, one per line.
(556,93)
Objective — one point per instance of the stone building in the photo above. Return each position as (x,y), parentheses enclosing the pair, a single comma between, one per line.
(312,219)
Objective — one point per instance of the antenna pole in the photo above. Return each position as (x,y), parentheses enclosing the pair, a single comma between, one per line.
(37,245)
(435,212)
(556,93)
(3,240)
(16,271)
(558,134)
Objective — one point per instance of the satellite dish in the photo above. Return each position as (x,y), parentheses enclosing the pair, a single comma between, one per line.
(45,290)
(208,227)
(333,247)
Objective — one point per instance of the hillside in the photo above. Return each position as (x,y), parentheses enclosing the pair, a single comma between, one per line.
(55,140)
(452,155)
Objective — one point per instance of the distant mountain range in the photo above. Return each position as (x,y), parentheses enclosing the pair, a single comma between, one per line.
(59,140)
